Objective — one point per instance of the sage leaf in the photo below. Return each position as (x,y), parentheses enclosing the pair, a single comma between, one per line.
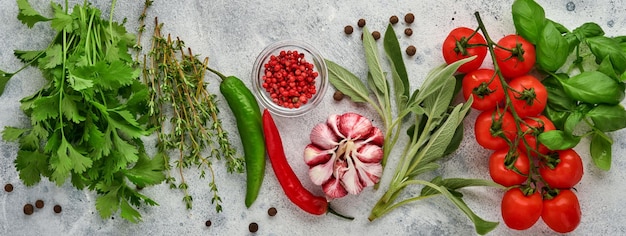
(594,87)
(482,226)
(600,149)
(608,118)
(552,48)
(437,103)
(399,74)
(346,82)
(436,79)
(529,19)
(558,140)
(457,183)
(373,61)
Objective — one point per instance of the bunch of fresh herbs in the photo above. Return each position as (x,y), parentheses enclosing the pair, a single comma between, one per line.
(583,96)
(178,94)
(87,121)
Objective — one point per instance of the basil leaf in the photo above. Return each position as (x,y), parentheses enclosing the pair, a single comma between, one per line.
(557,97)
(400,77)
(346,82)
(552,48)
(529,19)
(600,149)
(608,118)
(575,118)
(588,30)
(603,47)
(606,67)
(558,140)
(558,117)
(594,87)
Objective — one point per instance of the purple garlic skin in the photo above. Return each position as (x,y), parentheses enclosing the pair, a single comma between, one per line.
(345,154)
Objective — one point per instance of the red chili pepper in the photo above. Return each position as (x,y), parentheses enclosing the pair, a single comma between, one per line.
(288,180)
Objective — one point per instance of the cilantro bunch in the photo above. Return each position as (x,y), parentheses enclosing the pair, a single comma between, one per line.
(87,121)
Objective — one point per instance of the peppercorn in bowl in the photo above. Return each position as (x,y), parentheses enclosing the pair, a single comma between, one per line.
(289,78)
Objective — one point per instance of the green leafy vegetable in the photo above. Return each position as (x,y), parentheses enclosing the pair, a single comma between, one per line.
(552,48)
(594,87)
(529,19)
(86,123)
(600,149)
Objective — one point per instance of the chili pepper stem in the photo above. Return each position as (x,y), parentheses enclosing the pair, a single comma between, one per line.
(222,76)
(332,211)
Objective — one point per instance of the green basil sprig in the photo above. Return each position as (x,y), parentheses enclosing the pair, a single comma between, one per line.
(584,96)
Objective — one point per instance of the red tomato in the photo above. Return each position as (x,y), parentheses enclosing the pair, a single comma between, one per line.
(489,134)
(528,95)
(567,172)
(533,127)
(485,86)
(520,211)
(562,213)
(508,177)
(471,43)
(515,56)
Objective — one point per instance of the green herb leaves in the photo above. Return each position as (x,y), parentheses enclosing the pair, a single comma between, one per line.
(86,123)
(583,99)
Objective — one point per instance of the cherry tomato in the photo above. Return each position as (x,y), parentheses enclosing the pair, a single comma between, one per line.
(562,213)
(499,171)
(528,95)
(462,43)
(533,127)
(520,211)
(515,56)
(485,86)
(566,173)
(489,134)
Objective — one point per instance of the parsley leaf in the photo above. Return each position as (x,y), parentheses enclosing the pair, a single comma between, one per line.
(27,15)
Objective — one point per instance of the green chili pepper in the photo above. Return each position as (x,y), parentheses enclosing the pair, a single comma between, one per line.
(244,106)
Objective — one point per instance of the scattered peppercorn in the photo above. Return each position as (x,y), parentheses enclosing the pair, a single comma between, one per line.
(253,227)
(289,79)
(410,50)
(376,35)
(409,18)
(348,29)
(361,23)
(207,223)
(338,95)
(39,204)
(393,19)
(8,188)
(28,209)
(57,209)
(272,211)
(408,31)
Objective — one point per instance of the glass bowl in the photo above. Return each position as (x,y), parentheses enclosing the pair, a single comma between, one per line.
(270,101)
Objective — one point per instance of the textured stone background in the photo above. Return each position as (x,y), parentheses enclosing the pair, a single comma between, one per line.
(231,34)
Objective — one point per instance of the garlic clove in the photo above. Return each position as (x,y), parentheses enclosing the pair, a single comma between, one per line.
(376,137)
(321,173)
(354,126)
(313,155)
(324,137)
(351,180)
(369,173)
(370,153)
(334,189)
